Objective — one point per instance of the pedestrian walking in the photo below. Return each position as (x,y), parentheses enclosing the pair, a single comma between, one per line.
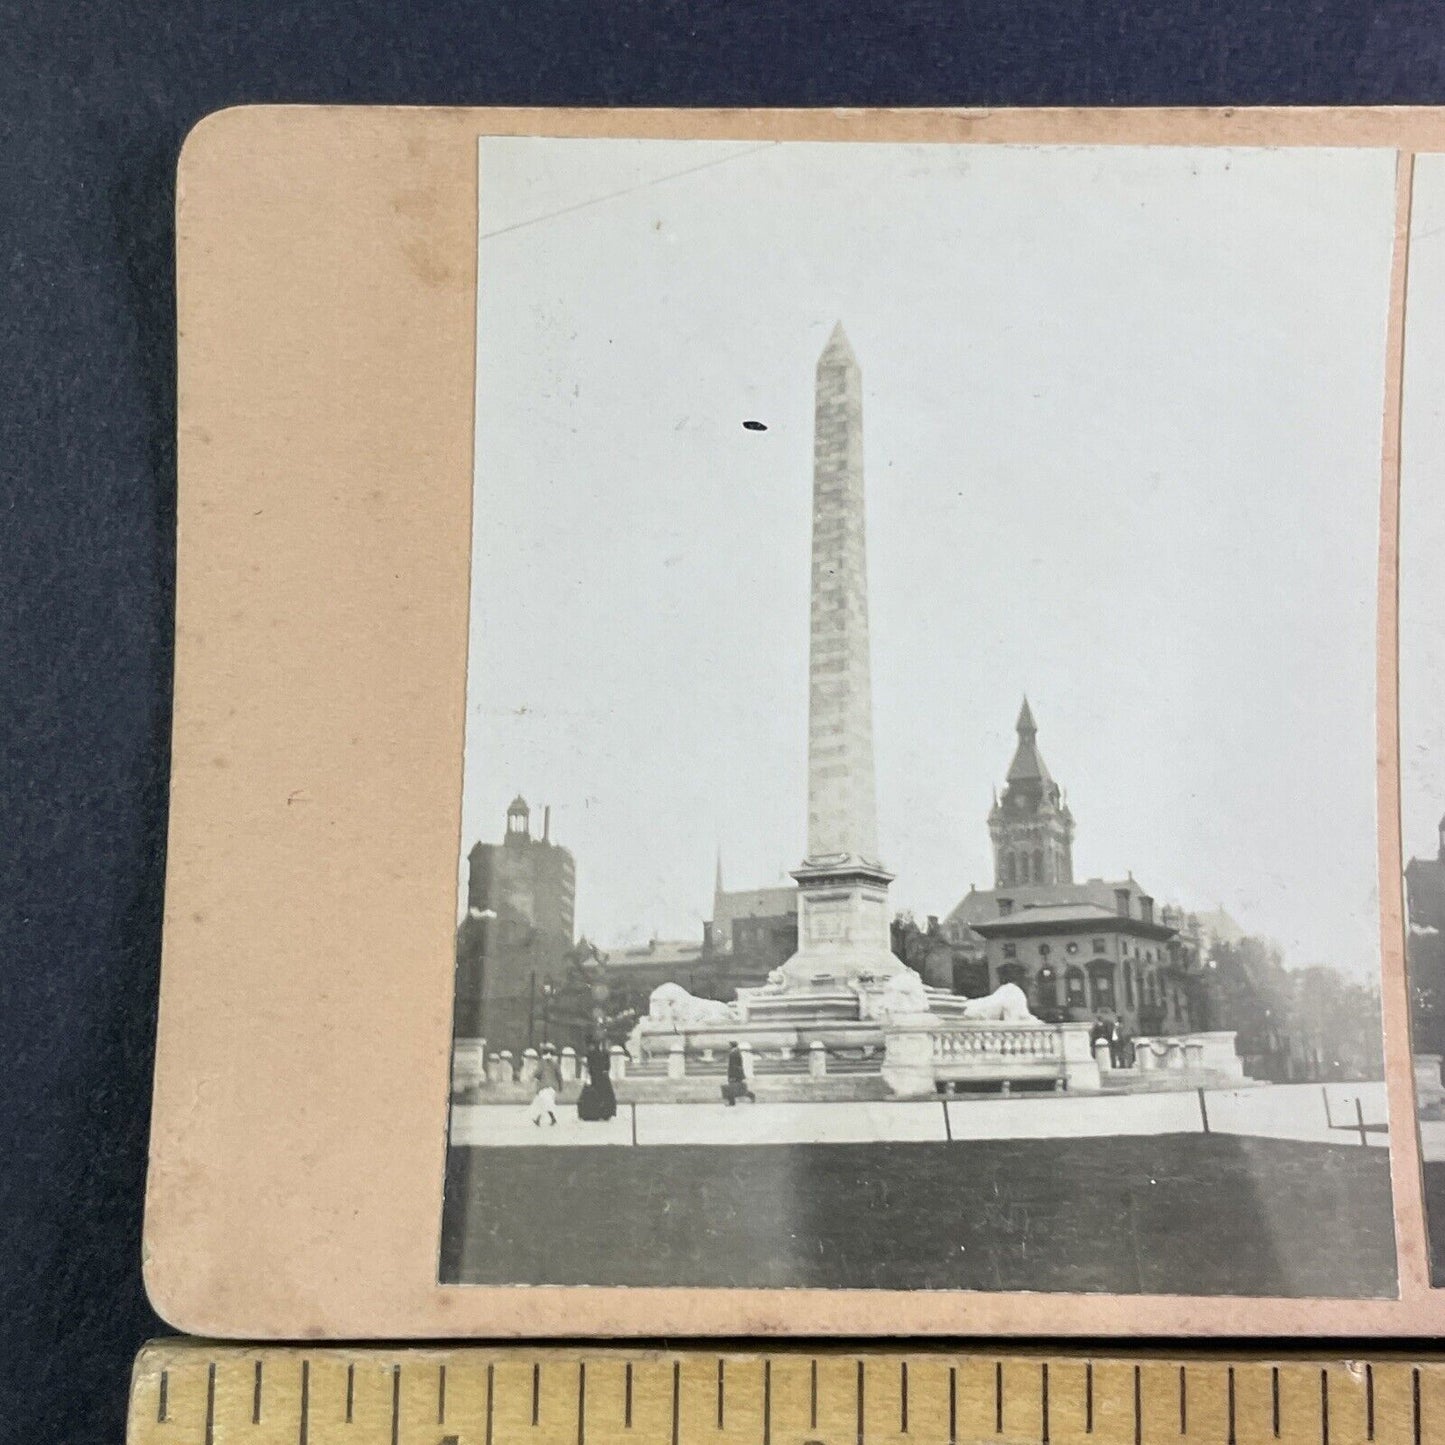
(549,1081)
(737,1085)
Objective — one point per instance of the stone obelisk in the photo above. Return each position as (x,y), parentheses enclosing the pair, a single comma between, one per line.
(843,931)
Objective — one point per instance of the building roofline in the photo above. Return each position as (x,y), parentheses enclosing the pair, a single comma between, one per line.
(1022,923)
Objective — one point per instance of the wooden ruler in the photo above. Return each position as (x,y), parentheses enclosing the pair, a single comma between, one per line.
(192,1393)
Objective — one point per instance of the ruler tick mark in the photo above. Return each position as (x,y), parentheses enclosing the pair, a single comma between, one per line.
(860,1403)
(287,1414)
(305,1425)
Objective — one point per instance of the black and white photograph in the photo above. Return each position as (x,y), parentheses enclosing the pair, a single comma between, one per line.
(1422,678)
(919,819)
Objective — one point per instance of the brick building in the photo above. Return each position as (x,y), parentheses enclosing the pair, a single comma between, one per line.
(1076,949)
(514,944)
(752,930)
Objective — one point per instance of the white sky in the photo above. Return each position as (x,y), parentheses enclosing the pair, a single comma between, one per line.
(1422,519)
(1122,429)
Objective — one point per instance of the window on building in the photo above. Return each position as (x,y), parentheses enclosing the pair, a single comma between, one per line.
(970,978)
(1100,946)
(1044,950)
(1146,909)
(1005,907)
(1074,988)
(1046,989)
(1071,947)
(1010,950)
(1011,973)
(1128,983)
(1121,902)
(1103,988)
(1038,865)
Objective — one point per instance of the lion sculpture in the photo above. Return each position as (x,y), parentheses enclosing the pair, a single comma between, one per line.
(670,1004)
(904,993)
(1006,1004)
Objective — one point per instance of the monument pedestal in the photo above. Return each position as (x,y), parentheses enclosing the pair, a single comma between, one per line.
(843,926)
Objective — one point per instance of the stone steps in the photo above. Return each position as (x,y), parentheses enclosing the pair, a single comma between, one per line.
(1165,1081)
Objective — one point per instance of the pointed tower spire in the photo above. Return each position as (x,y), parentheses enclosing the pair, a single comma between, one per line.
(1028,763)
(841,805)
(843,930)
(1031,827)
(838,350)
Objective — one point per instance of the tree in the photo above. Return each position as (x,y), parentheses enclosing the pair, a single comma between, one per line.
(1426,949)
(1310,1023)
(910,943)
(589,1001)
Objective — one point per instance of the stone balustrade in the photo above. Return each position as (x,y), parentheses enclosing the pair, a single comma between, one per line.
(923,1054)
(1209,1053)
(1005,1040)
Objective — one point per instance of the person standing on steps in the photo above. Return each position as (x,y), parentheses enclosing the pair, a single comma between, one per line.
(737,1085)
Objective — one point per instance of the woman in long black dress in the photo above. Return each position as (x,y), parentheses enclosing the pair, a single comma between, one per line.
(597,1100)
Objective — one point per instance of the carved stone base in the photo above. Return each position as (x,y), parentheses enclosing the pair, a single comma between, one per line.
(843,924)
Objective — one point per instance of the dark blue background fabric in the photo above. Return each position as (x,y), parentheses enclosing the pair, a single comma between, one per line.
(95,99)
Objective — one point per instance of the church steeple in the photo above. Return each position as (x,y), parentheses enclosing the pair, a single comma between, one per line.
(1028,764)
(1031,826)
